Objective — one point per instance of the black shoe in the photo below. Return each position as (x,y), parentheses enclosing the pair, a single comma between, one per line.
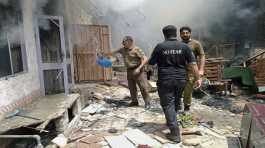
(186,107)
(178,108)
(132,104)
(147,105)
(173,138)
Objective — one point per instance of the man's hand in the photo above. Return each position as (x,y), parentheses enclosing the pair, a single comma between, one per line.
(198,83)
(136,71)
(201,72)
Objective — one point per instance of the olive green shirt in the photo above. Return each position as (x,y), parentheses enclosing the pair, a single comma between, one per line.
(197,50)
(132,57)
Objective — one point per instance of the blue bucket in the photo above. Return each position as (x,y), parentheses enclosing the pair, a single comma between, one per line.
(104,62)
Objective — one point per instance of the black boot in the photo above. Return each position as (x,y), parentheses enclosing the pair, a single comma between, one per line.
(186,107)
(178,107)
(147,105)
(132,104)
(174,135)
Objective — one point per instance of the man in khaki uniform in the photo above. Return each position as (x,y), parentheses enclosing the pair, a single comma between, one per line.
(135,59)
(185,34)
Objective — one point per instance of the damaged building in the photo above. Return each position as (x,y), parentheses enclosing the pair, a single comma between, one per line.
(37,60)
(53,92)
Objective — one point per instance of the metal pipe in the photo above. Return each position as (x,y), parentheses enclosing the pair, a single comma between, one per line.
(36,137)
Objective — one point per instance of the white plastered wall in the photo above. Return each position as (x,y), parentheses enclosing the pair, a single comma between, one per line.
(18,87)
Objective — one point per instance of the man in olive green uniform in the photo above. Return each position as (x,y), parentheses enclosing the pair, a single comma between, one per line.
(135,59)
(185,34)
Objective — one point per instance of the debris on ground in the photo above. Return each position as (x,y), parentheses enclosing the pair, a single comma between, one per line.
(60,140)
(108,122)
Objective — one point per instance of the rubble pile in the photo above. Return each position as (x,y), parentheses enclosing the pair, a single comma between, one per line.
(107,120)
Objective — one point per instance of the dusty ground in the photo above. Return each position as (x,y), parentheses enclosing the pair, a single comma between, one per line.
(111,116)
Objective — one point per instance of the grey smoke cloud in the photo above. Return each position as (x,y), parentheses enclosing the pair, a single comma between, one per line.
(144,19)
(11,22)
(4,2)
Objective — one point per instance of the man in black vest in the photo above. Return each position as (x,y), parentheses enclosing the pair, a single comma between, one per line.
(172,58)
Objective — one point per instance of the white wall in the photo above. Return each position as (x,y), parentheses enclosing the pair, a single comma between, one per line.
(22,85)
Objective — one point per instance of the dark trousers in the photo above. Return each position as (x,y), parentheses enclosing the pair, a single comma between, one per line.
(141,81)
(170,92)
(149,74)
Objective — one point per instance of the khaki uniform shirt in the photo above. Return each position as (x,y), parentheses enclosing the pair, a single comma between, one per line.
(196,47)
(197,51)
(132,57)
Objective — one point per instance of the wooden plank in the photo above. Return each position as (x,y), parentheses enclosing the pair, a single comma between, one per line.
(213,79)
(119,142)
(91,38)
(140,138)
(212,75)
(211,68)
(211,71)
(255,56)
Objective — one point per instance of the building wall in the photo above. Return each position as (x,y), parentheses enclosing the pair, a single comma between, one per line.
(24,87)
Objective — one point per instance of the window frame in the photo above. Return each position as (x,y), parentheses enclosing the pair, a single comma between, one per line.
(23,57)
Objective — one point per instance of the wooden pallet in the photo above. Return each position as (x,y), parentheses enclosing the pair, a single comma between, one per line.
(213,70)
(260,81)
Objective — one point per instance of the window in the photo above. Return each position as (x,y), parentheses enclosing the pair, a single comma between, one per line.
(12,51)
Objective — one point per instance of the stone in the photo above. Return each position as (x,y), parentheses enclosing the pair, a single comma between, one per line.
(55,146)
(85,145)
(152,86)
(238,106)
(103,143)
(92,109)
(168,145)
(139,137)
(229,127)
(118,141)
(91,139)
(161,139)
(60,140)
(208,144)
(192,142)
(98,96)
(70,145)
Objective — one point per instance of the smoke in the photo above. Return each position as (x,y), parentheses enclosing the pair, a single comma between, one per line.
(11,16)
(144,19)
(11,22)
(38,6)
(4,2)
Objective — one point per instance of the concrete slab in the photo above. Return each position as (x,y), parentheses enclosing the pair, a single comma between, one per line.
(119,141)
(140,138)
(44,109)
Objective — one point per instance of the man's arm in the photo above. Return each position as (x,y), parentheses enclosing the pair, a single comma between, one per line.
(192,64)
(144,59)
(198,80)
(195,71)
(112,55)
(201,62)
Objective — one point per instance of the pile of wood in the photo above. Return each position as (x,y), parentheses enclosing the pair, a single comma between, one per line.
(260,72)
(214,69)
(257,65)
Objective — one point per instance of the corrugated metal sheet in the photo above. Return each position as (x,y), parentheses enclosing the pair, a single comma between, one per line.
(252,132)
